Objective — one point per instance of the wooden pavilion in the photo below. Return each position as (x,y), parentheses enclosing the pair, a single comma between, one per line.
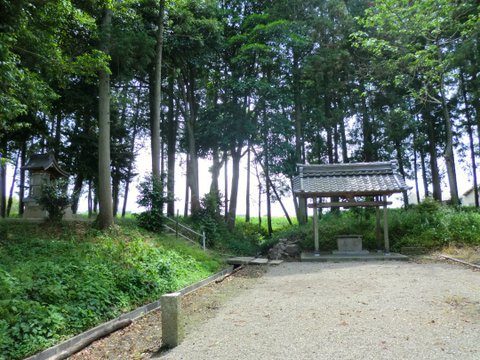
(354,185)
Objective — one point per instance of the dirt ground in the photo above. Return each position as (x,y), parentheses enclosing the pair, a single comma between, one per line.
(142,339)
(414,310)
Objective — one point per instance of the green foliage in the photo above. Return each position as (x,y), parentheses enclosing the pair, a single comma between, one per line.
(54,198)
(151,197)
(430,225)
(58,281)
(245,239)
(210,219)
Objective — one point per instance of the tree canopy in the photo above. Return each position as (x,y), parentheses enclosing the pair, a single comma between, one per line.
(284,81)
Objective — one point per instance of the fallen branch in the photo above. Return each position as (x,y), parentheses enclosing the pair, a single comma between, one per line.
(460,261)
(83,343)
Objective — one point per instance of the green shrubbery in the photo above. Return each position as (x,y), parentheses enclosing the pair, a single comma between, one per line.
(54,198)
(54,286)
(152,198)
(430,225)
(245,239)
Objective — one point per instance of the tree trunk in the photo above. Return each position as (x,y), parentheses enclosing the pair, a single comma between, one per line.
(21,185)
(259,196)
(14,177)
(116,176)
(267,187)
(232,211)
(424,173)
(335,144)
(125,195)
(432,149)
(215,171)
(415,169)
(77,189)
(301,205)
(193,179)
(401,168)
(156,97)
(105,216)
(58,134)
(187,189)
(247,192)
(133,138)
(449,154)
(329,145)
(476,102)
(343,134)
(469,119)
(272,186)
(225,173)
(344,141)
(90,199)
(3,181)
(95,200)
(172,129)
(368,151)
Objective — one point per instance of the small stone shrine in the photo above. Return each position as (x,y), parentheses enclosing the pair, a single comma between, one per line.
(42,169)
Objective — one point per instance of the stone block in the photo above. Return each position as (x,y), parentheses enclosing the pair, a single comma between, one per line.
(172,322)
(240,260)
(349,244)
(259,261)
(275,262)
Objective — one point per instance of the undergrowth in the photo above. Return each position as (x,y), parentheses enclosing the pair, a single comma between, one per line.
(56,281)
(429,225)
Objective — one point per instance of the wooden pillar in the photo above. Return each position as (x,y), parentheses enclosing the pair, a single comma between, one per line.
(315,227)
(385,226)
(378,231)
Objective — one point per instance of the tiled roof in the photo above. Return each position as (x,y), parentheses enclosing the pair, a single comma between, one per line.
(44,162)
(360,179)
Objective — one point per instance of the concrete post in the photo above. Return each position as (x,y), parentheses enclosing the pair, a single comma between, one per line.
(172,323)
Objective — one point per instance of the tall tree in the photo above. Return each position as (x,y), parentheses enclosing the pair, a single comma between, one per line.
(156,96)
(105,215)
(420,38)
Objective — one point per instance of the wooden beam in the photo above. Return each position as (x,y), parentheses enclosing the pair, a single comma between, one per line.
(351,204)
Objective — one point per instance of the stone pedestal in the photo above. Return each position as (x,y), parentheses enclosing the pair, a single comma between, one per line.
(33,210)
(349,245)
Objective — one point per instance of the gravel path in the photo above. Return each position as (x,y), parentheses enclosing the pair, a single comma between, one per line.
(345,311)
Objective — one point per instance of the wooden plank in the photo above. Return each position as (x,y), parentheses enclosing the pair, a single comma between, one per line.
(351,204)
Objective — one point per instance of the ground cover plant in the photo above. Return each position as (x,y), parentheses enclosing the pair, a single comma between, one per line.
(56,281)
